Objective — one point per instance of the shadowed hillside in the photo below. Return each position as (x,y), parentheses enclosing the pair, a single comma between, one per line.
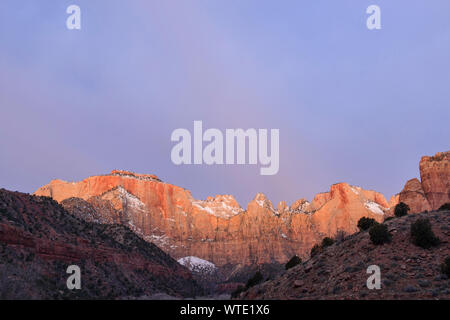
(39,240)
(339,271)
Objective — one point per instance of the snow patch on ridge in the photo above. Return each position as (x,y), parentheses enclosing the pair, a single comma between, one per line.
(260,203)
(355,190)
(207,209)
(374,207)
(218,209)
(130,200)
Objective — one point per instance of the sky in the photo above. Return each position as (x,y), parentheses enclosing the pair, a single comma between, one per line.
(352,105)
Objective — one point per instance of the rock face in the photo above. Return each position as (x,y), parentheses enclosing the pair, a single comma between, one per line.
(343,206)
(340,271)
(39,240)
(414,196)
(435,176)
(217,229)
(434,188)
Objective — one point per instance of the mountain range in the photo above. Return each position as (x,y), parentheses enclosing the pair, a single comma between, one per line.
(219,230)
(128,230)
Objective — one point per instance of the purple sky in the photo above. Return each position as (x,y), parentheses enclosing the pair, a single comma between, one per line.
(351,104)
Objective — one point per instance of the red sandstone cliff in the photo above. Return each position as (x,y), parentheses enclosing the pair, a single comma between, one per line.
(216,229)
(435,176)
(220,231)
(434,188)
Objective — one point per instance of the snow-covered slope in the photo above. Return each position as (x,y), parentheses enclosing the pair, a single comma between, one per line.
(198,265)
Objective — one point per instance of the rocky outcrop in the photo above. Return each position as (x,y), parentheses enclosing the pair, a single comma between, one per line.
(216,229)
(414,196)
(434,188)
(435,176)
(39,239)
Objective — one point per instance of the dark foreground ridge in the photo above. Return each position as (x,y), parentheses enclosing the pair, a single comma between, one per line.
(39,239)
(340,271)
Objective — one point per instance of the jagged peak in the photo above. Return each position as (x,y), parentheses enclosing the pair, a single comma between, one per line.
(261,200)
(260,197)
(300,205)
